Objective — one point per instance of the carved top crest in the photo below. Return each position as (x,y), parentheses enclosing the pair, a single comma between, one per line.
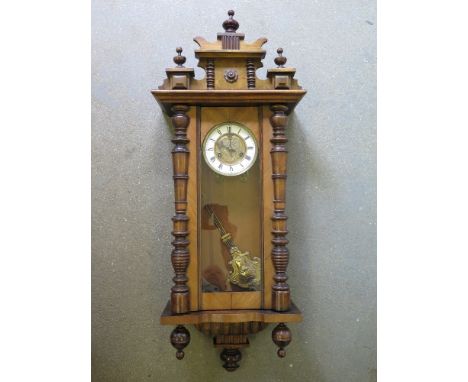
(230,65)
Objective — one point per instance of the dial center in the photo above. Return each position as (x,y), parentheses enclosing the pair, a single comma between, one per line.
(230,148)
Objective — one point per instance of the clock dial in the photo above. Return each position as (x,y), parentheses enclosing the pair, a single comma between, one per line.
(230,149)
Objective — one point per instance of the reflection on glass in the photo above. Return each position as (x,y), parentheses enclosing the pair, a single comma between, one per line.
(230,231)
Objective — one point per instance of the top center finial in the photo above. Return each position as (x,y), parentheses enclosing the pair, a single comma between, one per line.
(230,25)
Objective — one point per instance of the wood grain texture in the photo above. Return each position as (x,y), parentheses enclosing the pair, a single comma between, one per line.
(268,269)
(192,208)
(216,301)
(226,329)
(246,300)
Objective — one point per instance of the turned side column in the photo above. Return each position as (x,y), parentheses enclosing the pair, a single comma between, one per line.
(279,254)
(180,252)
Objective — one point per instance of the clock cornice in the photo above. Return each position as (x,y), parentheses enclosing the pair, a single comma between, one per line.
(168,98)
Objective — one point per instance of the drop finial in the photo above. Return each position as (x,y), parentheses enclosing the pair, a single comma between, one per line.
(280,60)
(230,25)
(179,59)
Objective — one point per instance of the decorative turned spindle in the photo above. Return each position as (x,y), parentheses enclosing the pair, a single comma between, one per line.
(250,74)
(279,253)
(180,254)
(210,74)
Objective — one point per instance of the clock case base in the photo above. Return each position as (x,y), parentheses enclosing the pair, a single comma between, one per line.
(230,329)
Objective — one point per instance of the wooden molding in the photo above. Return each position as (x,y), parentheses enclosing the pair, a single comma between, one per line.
(167,98)
(230,316)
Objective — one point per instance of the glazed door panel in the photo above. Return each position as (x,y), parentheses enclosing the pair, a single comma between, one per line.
(230,211)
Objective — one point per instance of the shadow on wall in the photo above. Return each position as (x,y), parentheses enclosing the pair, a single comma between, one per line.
(303,167)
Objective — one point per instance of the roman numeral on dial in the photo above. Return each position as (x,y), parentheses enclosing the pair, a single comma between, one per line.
(230,149)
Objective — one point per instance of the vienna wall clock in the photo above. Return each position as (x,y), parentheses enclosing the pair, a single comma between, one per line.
(230,253)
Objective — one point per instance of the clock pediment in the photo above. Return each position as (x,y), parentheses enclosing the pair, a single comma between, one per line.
(230,63)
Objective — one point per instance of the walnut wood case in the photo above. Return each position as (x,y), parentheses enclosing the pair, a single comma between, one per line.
(230,91)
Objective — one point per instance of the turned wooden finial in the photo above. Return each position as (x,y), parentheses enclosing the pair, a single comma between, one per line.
(231,358)
(281,336)
(280,60)
(179,59)
(180,338)
(230,25)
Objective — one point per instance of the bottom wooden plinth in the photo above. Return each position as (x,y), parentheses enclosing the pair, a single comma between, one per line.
(230,329)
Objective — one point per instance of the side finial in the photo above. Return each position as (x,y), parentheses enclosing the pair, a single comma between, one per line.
(280,60)
(230,25)
(179,59)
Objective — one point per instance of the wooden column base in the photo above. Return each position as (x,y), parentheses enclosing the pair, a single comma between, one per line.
(180,302)
(281,300)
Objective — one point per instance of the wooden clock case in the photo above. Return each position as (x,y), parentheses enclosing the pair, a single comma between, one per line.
(230,88)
